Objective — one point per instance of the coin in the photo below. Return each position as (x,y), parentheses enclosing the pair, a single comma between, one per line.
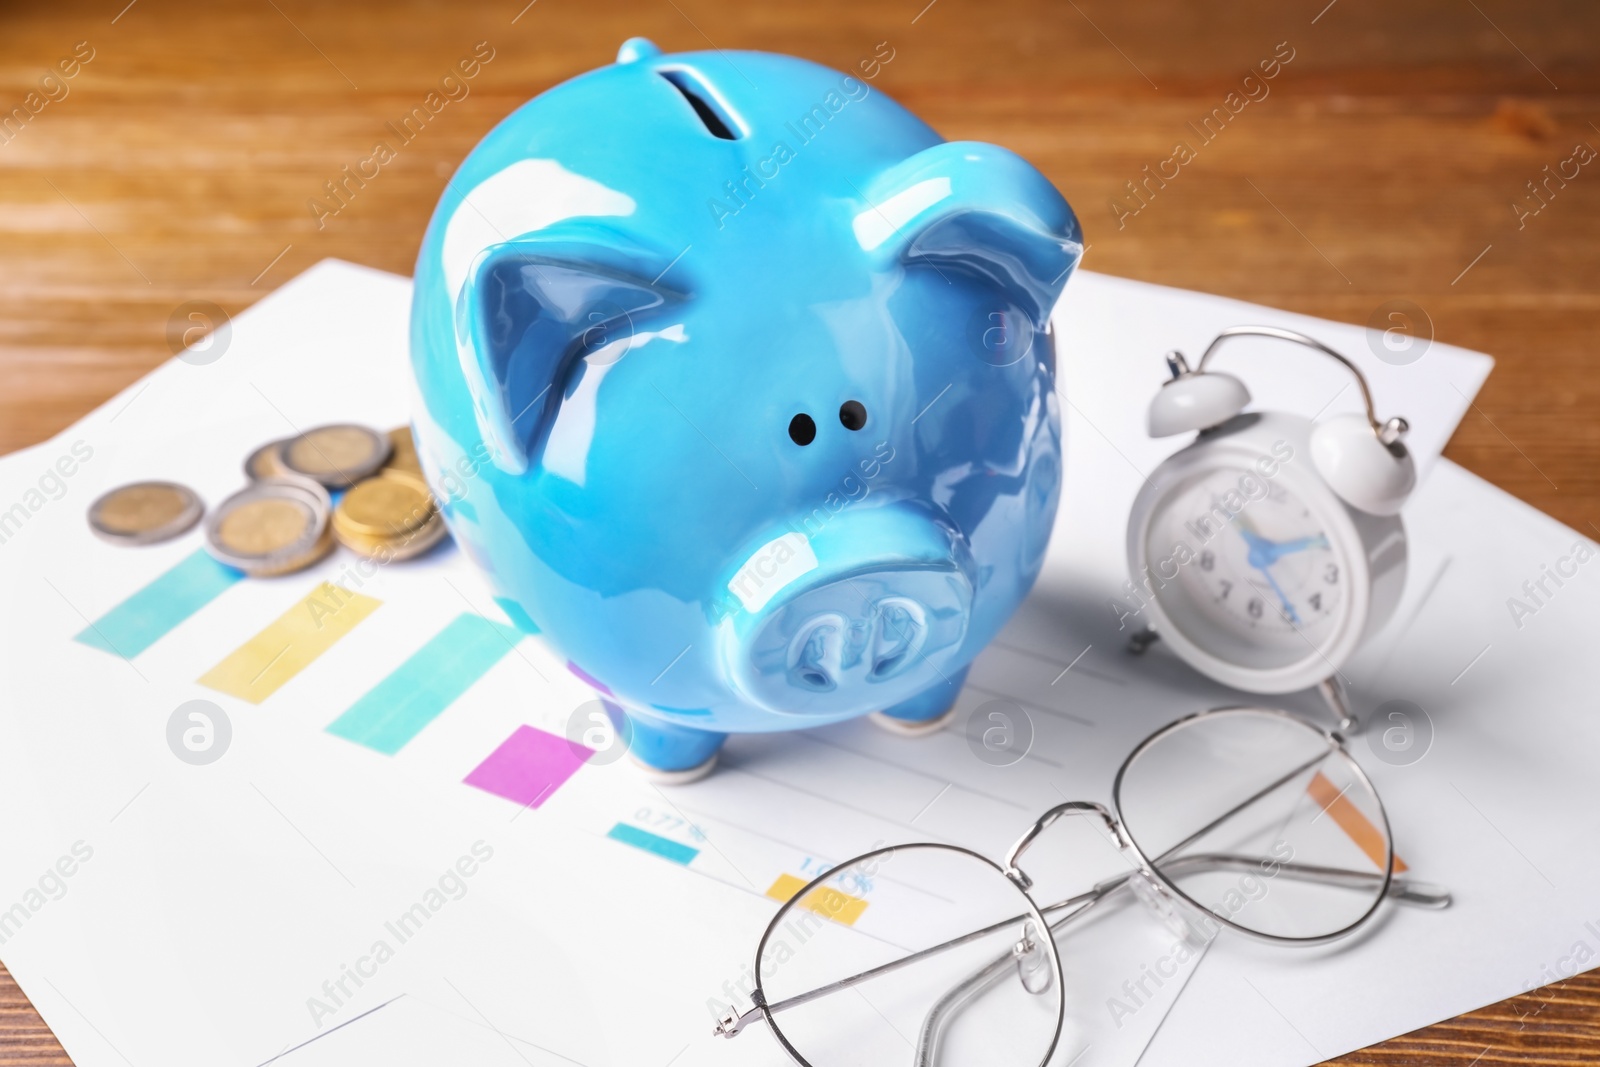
(336,456)
(395,549)
(404,456)
(144,513)
(391,517)
(265,462)
(275,526)
(393,504)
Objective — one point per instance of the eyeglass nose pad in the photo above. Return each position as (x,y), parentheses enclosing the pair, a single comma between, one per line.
(1033,961)
(1174,915)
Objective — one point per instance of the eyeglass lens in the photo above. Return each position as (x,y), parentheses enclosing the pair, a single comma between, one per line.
(903,906)
(1258,820)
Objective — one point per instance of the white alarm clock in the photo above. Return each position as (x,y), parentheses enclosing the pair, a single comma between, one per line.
(1270,547)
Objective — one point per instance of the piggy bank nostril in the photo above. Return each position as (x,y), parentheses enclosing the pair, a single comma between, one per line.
(901,632)
(853,414)
(817,652)
(813,679)
(889,666)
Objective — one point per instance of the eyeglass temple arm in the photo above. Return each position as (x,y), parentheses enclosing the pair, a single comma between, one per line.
(1401,888)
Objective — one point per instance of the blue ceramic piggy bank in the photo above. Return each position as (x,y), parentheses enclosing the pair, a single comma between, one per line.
(749,378)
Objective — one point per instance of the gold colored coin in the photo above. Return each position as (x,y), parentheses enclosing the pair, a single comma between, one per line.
(261,527)
(144,513)
(386,506)
(395,549)
(404,455)
(336,456)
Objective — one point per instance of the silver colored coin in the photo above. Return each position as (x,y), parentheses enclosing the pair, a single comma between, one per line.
(275,526)
(145,513)
(336,456)
(265,462)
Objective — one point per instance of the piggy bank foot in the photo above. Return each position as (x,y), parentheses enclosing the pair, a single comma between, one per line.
(927,712)
(671,754)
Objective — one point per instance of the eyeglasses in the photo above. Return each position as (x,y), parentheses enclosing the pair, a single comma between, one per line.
(1238,818)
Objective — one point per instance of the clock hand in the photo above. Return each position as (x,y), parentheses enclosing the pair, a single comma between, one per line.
(1288,609)
(1270,551)
(1284,549)
(1263,554)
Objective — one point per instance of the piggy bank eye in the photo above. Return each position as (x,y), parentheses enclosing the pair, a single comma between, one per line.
(802,431)
(853,413)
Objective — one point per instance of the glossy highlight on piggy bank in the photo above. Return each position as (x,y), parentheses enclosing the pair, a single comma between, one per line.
(762,370)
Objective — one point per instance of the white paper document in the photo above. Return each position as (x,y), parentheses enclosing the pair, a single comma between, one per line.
(347,886)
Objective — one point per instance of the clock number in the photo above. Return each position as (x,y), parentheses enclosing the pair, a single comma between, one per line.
(1254,608)
(1227,587)
(1332,573)
(1207,560)
(1315,600)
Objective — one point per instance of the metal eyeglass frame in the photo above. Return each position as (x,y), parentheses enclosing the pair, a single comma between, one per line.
(1148,880)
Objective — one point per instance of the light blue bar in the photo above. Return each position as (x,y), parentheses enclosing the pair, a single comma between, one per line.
(654,843)
(156,610)
(515,613)
(434,677)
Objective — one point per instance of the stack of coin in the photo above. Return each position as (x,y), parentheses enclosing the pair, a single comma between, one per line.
(144,513)
(285,520)
(390,517)
(275,526)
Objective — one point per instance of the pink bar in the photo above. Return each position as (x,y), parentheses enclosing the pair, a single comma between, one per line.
(587,678)
(529,766)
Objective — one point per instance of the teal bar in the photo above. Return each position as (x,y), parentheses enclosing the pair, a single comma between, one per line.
(434,677)
(515,613)
(156,610)
(654,843)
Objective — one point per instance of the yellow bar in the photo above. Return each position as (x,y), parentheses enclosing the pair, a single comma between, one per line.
(1367,837)
(256,669)
(825,901)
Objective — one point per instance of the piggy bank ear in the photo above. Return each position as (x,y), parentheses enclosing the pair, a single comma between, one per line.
(976,208)
(529,310)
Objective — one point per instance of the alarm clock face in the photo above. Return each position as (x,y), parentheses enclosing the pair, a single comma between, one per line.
(1250,567)
(1264,573)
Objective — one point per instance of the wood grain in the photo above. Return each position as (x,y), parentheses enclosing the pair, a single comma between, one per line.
(1384,164)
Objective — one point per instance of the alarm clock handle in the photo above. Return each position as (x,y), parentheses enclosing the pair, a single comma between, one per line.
(1362,460)
(1388,432)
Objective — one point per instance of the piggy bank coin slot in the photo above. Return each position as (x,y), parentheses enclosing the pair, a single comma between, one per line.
(706,107)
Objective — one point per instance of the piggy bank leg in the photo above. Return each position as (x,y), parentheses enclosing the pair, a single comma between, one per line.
(672,754)
(926,712)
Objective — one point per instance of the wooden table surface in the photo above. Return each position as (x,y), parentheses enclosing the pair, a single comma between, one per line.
(1391,159)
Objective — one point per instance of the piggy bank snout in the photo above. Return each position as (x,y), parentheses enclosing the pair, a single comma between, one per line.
(879,616)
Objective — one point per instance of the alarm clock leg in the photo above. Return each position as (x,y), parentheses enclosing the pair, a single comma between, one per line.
(1332,690)
(672,754)
(1140,641)
(928,711)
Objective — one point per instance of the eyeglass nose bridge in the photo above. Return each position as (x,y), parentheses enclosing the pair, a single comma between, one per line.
(1044,822)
